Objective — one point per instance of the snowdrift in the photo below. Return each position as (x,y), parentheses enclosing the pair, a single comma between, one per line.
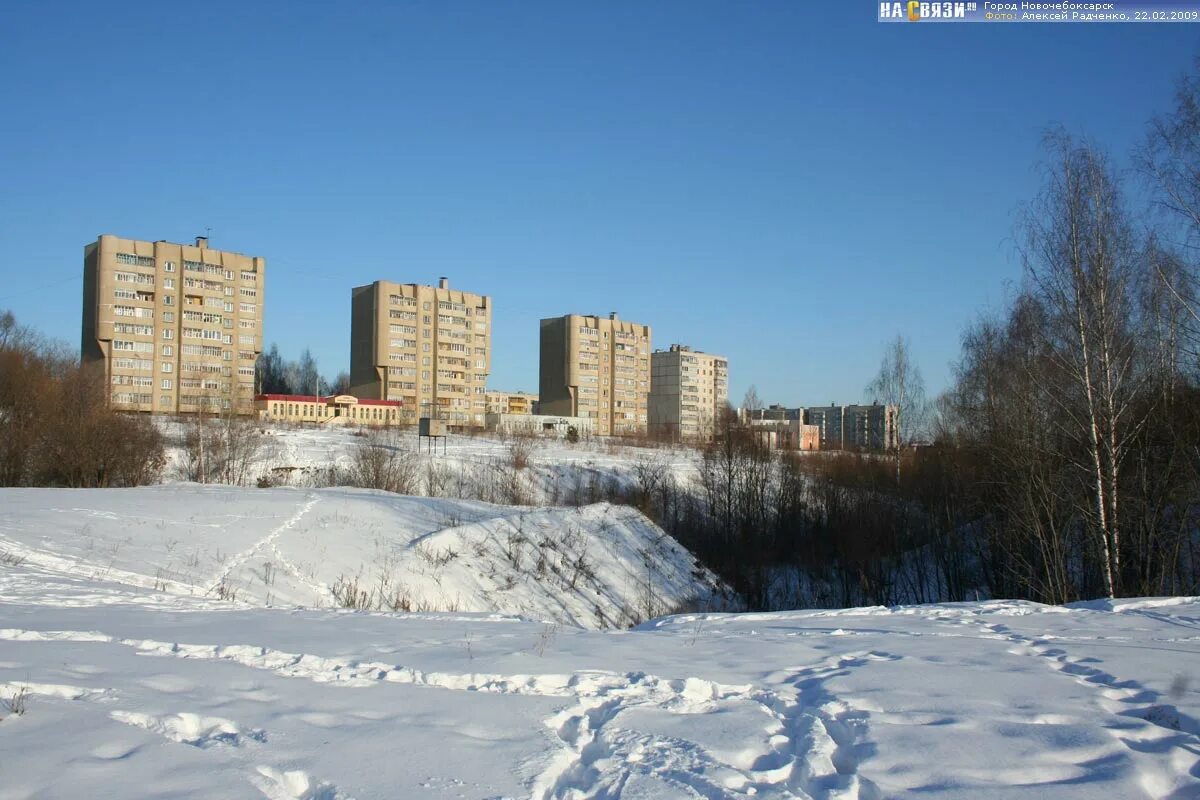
(596,566)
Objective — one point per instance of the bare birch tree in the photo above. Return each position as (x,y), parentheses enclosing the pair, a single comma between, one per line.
(1081,261)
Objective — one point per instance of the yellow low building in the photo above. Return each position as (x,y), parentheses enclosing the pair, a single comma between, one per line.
(336,409)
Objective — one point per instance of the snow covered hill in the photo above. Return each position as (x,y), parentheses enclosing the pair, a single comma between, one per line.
(138,659)
(557,472)
(594,566)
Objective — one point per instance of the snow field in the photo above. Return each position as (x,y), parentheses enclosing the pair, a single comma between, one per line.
(971,700)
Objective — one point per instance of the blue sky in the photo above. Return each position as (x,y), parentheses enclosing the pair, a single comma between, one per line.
(785,186)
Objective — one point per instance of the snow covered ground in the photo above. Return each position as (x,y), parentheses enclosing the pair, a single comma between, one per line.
(557,471)
(136,643)
(132,693)
(593,566)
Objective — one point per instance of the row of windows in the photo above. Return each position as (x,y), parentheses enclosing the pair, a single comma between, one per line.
(200,283)
(133,311)
(133,363)
(202,367)
(313,410)
(200,350)
(200,266)
(137,261)
(136,347)
(203,333)
(131,398)
(134,277)
(139,330)
(132,380)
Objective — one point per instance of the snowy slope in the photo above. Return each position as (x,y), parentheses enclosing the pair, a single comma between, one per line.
(146,698)
(136,680)
(301,456)
(593,566)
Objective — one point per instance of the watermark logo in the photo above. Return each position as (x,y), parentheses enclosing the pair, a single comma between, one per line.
(916,11)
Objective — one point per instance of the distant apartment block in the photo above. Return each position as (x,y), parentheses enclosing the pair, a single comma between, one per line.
(176,327)
(541,425)
(510,402)
(596,368)
(782,428)
(856,427)
(689,391)
(427,347)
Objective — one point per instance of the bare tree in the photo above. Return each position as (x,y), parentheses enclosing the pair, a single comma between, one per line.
(1081,261)
(382,462)
(899,383)
(1170,163)
(751,402)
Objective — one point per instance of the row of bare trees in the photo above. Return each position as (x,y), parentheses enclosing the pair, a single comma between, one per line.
(55,426)
(1076,407)
(1066,462)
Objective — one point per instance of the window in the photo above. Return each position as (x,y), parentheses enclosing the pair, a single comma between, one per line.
(137,261)
(168,333)
(166,383)
(136,347)
(168,350)
(134,277)
(168,367)
(168,266)
(168,283)
(169,300)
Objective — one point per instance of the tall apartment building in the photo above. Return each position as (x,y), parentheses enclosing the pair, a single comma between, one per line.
(689,390)
(857,427)
(596,368)
(176,327)
(427,347)
(510,402)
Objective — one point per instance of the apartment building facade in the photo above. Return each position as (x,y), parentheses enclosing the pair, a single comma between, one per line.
(426,347)
(596,368)
(782,428)
(689,391)
(855,427)
(510,402)
(175,327)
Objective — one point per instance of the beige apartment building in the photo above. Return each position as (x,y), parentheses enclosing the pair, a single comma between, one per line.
(176,327)
(689,391)
(510,402)
(427,347)
(596,368)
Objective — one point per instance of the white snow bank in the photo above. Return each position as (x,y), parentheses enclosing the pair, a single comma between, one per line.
(593,566)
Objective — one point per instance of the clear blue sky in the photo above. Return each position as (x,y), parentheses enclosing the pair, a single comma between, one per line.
(787,188)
